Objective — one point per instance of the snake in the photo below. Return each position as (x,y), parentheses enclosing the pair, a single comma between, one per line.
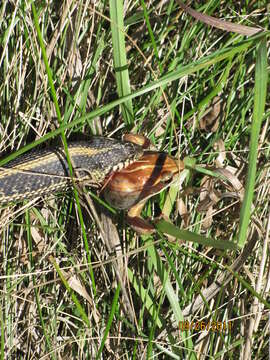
(46,171)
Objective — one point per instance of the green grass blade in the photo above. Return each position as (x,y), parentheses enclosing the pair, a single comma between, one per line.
(170,293)
(144,296)
(109,323)
(259,105)
(173,193)
(64,140)
(79,307)
(119,57)
(168,228)
(42,322)
(249,287)
(174,75)
(151,34)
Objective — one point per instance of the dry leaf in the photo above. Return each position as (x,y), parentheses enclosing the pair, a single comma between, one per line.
(220,24)
(210,120)
(182,210)
(220,148)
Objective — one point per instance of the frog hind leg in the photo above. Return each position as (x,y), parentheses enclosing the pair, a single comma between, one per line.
(137,223)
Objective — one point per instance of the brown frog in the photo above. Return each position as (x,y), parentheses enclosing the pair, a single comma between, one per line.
(132,186)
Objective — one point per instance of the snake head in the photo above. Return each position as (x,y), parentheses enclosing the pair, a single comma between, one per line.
(142,179)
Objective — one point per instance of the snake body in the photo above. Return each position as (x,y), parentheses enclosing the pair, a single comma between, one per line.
(42,172)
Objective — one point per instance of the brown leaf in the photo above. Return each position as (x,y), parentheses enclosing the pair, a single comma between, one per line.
(220,24)
(208,220)
(220,147)
(210,120)
(182,210)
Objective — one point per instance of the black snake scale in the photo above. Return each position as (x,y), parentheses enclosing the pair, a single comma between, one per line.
(42,172)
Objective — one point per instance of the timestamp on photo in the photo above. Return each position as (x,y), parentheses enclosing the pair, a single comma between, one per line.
(214,326)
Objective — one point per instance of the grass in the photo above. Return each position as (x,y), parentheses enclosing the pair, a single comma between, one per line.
(76,281)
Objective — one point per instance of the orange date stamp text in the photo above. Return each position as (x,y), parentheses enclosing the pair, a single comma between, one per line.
(214,326)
